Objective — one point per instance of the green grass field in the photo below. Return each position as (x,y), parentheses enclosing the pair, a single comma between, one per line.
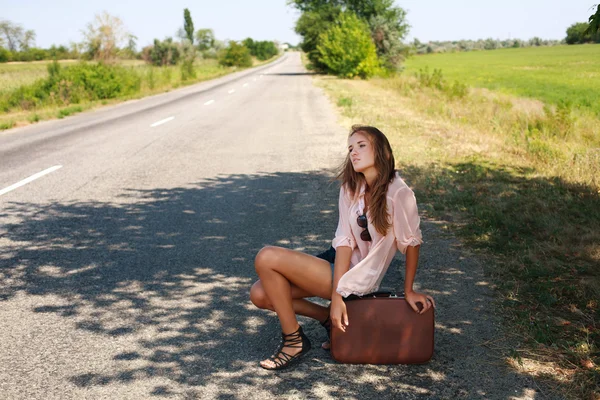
(551,74)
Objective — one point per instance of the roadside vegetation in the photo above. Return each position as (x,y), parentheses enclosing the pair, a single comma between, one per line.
(108,69)
(502,147)
(519,181)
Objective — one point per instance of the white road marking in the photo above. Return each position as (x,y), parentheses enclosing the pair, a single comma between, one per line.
(245,84)
(30,179)
(163,121)
(209,102)
(231,91)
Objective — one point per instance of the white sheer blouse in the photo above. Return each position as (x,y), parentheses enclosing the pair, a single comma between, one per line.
(370,260)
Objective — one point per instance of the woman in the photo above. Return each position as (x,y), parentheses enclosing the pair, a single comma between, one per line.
(377,216)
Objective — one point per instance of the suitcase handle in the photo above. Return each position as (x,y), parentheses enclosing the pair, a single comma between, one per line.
(379,293)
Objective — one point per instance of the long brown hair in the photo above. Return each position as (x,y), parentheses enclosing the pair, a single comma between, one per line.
(385,165)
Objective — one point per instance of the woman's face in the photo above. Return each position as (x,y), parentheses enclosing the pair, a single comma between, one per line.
(361,151)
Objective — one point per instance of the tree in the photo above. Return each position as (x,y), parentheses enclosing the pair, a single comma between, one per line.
(387,36)
(310,25)
(188,25)
(490,44)
(104,35)
(235,55)
(535,41)
(163,53)
(387,24)
(76,49)
(580,33)
(576,33)
(5,55)
(364,9)
(11,34)
(188,56)
(27,39)
(346,48)
(205,39)
(249,43)
(132,44)
(263,50)
(594,22)
(15,36)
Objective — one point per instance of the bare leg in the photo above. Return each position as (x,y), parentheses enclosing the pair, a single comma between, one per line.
(300,305)
(279,269)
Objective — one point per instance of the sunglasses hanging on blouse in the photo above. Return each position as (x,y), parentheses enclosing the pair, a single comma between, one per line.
(362,222)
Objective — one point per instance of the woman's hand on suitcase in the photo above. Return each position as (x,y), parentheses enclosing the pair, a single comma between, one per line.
(338,313)
(413,298)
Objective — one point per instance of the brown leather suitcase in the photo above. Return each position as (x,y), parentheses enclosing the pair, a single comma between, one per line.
(383,329)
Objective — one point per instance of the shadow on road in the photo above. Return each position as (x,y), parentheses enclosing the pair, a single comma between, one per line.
(173,268)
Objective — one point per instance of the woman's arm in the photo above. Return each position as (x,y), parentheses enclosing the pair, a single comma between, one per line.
(412,297)
(412,260)
(338,314)
(341,266)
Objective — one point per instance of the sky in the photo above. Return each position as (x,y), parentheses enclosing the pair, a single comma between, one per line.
(61,21)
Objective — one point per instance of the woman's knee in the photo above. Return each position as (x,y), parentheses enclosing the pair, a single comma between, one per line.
(266,257)
(258,297)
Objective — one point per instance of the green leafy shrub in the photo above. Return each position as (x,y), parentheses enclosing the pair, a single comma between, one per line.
(5,55)
(162,53)
(263,50)
(188,56)
(436,80)
(74,84)
(579,33)
(346,48)
(235,55)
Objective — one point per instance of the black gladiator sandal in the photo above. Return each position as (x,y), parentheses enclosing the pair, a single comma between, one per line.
(327,325)
(296,340)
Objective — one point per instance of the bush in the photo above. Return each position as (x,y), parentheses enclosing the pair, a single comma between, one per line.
(210,53)
(32,54)
(236,55)
(162,53)
(188,56)
(346,48)
(70,85)
(436,80)
(577,33)
(262,50)
(5,55)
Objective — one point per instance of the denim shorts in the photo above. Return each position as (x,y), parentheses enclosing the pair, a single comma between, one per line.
(329,256)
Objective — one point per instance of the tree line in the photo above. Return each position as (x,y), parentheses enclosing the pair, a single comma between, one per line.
(107,39)
(577,33)
(448,46)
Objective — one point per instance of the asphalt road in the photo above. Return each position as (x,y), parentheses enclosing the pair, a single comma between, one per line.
(125,270)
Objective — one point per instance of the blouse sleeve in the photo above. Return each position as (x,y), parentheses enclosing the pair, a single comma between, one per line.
(343,233)
(406,220)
